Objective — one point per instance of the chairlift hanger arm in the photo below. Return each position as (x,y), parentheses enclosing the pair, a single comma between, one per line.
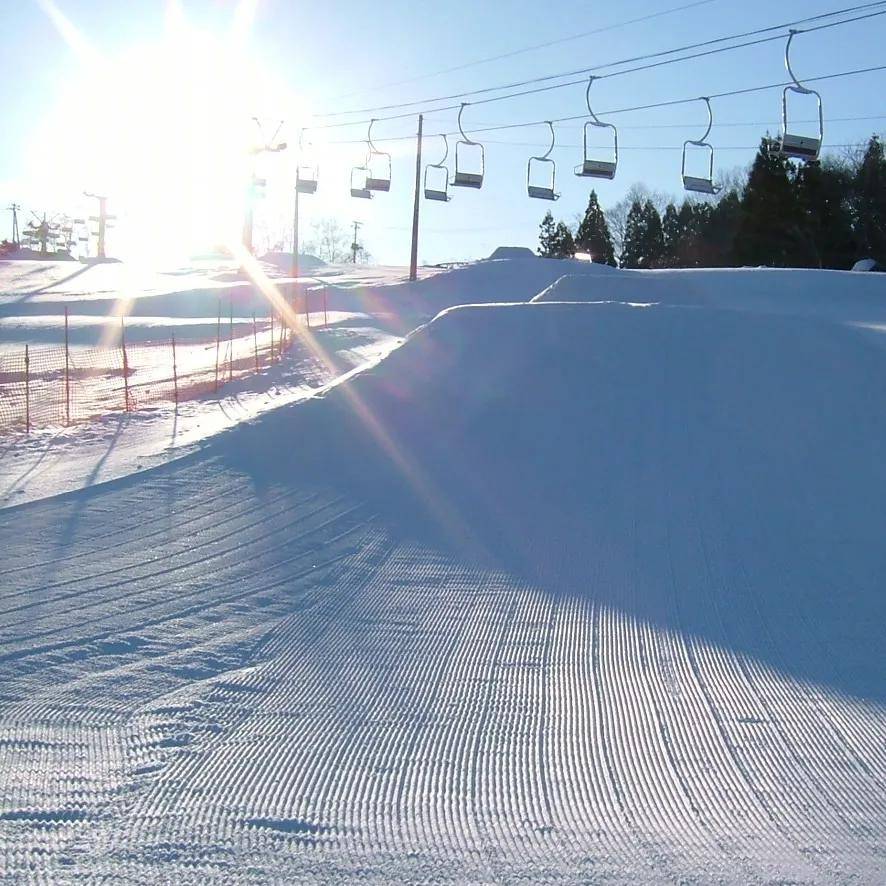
(465,138)
(798,86)
(703,141)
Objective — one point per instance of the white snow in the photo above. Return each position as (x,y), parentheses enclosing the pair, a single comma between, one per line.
(582,590)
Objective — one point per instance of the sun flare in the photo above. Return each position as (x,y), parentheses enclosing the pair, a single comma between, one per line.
(165,128)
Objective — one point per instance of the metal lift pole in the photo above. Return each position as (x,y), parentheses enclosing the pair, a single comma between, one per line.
(413,256)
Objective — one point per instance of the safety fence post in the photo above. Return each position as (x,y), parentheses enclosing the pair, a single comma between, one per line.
(308,307)
(231,342)
(67,374)
(282,331)
(125,366)
(27,392)
(174,370)
(272,336)
(325,306)
(217,344)
(255,340)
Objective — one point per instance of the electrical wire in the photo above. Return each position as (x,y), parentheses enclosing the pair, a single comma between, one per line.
(515,52)
(631,60)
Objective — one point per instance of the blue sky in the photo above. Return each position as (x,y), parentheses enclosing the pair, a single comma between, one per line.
(97,102)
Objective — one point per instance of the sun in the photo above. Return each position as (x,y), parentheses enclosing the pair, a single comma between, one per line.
(165,128)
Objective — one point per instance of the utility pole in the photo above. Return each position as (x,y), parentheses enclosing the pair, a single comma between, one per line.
(102,218)
(413,256)
(355,245)
(14,208)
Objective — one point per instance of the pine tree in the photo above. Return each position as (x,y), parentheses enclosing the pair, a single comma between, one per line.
(716,239)
(823,193)
(564,242)
(770,228)
(632,250)
(593,235)
(870,202)
(672,229)
(653,242)
(547,239)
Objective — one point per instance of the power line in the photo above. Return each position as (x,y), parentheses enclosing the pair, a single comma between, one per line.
(631,60)
(648,107)
(535,46)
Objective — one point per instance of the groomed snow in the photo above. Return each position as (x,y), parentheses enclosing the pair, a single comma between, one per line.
(570,591)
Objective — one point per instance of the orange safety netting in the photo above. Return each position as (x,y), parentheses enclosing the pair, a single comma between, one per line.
(50,386)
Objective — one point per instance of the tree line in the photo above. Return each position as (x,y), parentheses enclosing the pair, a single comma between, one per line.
(823,214)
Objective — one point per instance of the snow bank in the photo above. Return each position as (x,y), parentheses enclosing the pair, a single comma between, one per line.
(568,591)
(839,295)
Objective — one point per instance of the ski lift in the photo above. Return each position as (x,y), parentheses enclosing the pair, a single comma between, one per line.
(359,182)
(593,167)
(697,183)
(543,192)
(804,147)
(437,182)
(461,178)
(378,166)
(305,174)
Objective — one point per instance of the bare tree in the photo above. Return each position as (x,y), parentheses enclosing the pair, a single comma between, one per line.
(329,241)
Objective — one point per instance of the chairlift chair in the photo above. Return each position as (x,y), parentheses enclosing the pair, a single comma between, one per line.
(306,174)
(697,183)
(803,147)
(594,167)
(437,182)
(306,179)
(543,192)
(378,165)
(462,178)
(359,184)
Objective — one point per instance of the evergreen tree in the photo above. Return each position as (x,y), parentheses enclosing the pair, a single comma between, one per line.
(823,193)
(547,238)
(771,223)
(593,235)
(672,229)
(632,249)
(653,242)
(564,242)
(870,202)
(716,240)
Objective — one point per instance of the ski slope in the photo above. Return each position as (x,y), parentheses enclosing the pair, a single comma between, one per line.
(588,589)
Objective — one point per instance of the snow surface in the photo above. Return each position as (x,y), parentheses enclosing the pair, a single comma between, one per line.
(575,591)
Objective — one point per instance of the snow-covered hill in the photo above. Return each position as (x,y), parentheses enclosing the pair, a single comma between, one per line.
(569,591)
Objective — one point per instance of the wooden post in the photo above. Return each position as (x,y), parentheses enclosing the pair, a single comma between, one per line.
(325,305)
(174,370)
(413,257)
(125,366)
(272,336)
(282,330)
(295,245)
(217,344)
(255,340)
(231,342)
(27,392)
(308,307)
(67,374)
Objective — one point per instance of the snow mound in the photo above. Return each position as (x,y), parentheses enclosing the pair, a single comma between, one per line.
(833,294)
(555,592)
(282,261)
(512,252)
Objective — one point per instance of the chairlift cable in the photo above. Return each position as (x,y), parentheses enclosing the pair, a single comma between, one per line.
(602,66)
(648,107)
